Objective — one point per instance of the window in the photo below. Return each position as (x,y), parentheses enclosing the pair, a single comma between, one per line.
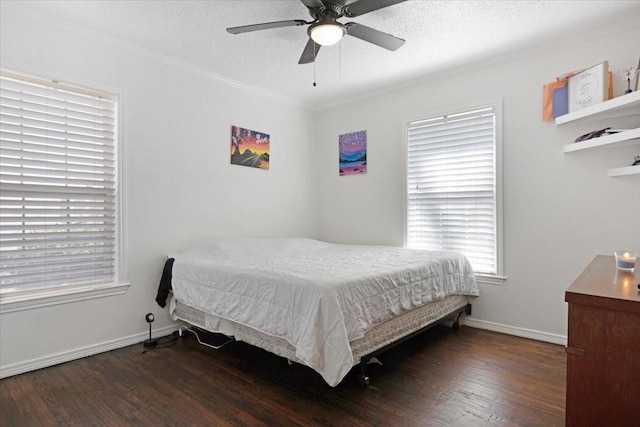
(453,197)
(58,188)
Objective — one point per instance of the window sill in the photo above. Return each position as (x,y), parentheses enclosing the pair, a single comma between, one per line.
(488,279)
(45,298)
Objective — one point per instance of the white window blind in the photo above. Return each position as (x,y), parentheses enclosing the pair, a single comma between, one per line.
(58,189)
(451,186)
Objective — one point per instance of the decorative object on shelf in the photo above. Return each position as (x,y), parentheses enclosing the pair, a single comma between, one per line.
(636,161)
(548,95)
(598,133)
(561,101)
(593,134)
(625,260)
(249,148)
(628,75)
(353,153)
(638,75)
(589,87)
(555,95)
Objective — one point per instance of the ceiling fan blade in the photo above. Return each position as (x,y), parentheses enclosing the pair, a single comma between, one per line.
(361,7)
(309,53)
(374,36)
(311,4)
(266,26)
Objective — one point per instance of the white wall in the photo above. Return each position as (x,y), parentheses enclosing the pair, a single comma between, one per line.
(560,210)
(179,187)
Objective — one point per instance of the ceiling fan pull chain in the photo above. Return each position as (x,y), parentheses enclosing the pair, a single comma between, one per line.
(340,60)
(314,65)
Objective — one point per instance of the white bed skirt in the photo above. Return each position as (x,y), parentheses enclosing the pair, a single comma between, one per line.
(376,338)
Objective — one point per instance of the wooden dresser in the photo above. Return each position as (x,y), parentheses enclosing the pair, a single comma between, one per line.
(603,347)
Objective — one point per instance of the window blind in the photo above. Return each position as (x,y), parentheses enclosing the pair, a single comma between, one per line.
(58,189)
(451,186)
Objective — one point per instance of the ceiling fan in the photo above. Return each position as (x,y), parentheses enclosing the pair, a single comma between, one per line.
(325,30)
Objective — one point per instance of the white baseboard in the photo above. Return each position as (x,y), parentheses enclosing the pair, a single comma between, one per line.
(516,331)
(67,356)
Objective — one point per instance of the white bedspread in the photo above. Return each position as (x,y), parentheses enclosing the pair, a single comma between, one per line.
(316,295)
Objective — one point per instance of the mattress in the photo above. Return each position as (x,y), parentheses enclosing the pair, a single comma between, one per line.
(318,297)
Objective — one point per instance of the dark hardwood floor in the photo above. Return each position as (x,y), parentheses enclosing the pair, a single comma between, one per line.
(445,377)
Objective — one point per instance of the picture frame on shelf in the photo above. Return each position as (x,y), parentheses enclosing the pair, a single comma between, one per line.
(589,87)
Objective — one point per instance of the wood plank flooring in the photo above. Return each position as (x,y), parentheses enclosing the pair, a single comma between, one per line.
(445,377)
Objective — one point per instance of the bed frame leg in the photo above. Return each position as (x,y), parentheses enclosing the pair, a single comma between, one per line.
(456,323)
(466,310)
(363,378)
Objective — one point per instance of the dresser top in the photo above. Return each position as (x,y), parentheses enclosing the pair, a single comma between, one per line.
(601,284)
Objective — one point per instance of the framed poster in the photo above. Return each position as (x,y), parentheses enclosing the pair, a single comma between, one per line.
(589,87)
(249,148)
(353,153)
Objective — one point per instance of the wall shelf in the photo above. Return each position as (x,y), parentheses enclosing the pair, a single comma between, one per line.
(625,105)
(621,104)
(628,137)
(629,170)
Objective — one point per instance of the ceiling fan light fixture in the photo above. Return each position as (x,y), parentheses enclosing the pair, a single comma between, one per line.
(326,33)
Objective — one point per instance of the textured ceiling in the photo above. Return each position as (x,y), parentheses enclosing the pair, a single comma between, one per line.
(440,35)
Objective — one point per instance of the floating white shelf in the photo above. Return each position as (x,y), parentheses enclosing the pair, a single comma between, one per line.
(629,170)
(631,136)
(629,101)
(625,105)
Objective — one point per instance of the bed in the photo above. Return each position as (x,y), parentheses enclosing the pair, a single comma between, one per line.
(327,306)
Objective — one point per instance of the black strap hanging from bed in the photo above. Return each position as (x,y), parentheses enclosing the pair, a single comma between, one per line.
(165,283)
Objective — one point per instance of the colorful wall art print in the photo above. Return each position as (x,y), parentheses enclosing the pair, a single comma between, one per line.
(353,153)
(249,148)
